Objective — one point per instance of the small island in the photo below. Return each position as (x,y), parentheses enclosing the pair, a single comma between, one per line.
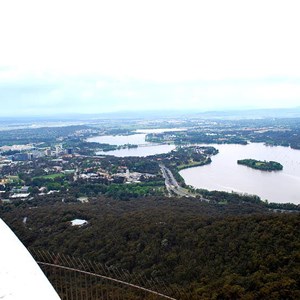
(261,165)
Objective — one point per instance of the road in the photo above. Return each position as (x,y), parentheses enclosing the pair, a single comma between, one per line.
(172,184)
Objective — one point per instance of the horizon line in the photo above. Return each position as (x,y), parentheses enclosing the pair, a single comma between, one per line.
(154,112)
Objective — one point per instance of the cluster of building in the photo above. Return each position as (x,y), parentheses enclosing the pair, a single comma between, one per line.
(133,177)
(21,193)
(124,176)
(58,151)
(30,152)
(16,193)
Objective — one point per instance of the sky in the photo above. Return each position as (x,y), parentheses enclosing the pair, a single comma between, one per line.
(65,57)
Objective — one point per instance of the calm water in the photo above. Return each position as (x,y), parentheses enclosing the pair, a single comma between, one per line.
(224,174)
(135,139)
(144,149)
(140,151)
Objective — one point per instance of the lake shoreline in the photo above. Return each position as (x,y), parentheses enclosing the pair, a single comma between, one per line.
(223,173)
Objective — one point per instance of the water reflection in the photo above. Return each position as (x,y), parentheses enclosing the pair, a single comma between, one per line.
(140,151)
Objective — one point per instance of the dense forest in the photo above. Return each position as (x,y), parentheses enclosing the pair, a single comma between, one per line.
(233,250)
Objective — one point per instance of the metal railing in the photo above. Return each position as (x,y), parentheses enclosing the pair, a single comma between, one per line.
(80,279)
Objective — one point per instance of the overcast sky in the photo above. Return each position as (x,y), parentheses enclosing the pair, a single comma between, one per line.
(101,56)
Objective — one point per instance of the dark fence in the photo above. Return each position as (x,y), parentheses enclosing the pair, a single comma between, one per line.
(80,279)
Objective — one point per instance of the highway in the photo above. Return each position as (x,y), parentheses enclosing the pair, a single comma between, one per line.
(172,184)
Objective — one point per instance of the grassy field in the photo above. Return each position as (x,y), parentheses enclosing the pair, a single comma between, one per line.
(51,176)
(191,165)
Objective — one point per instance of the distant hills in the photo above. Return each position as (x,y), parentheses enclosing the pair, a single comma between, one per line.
(253,113)
(217,114)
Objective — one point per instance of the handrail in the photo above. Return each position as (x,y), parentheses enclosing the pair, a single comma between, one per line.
(107,278)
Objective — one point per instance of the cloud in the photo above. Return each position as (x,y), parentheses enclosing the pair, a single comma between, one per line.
(84,56)
(84,95)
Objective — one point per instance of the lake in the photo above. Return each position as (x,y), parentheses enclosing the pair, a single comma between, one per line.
(224,174)
(140,151)
(135,139)
(144,148)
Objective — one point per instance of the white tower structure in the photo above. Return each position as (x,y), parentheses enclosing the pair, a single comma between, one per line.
(20,276)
